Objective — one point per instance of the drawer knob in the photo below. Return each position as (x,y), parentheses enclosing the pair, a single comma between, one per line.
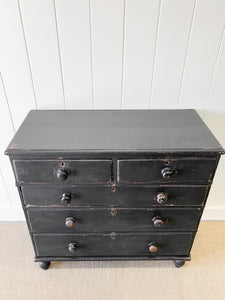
(70,221)
(161,198)
(73,246)
(157,222)
(66,198)
(62,174)
(152,247)
(167,173)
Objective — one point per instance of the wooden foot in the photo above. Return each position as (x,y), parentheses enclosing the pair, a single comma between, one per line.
(179,262)
(44,264)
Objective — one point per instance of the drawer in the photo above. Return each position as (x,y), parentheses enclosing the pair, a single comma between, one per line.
(132,195)
(69,171)
(82,245)
(166,170)
(115,219)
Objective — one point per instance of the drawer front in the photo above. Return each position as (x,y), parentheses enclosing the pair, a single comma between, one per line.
(112,245)
(109,220)
(133,195)
(69,171)
(163,171)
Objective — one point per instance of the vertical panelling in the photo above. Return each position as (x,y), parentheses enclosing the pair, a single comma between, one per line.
(110,54)
(208,24)
(40,29)
(141,19)
(173,35)
(107,18)
(214,113)
(4,200)
(14,64)
(214,116)
(9,193)
(216,98)
(74,40)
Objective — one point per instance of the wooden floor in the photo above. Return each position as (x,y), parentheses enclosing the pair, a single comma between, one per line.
(202,278)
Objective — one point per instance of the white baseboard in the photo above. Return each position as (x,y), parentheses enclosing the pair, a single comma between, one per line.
(11,214)
(214,213)
(16,213)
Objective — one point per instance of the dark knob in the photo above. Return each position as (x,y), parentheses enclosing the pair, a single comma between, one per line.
(70,221)
(167,173)
(62,174)
(72,247)
(66,198)
(152,247)
(157,222)
(161,198)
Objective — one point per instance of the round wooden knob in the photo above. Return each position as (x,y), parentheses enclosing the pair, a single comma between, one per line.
(62,174)
(70,221)
(73,246)
(167,173)
(157,222)
(66,198)
(161,198)
(152,247)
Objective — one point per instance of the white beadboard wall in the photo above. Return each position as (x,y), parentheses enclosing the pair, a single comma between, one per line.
(112,54)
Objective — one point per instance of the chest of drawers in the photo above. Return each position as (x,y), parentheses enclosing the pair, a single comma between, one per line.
(113,185)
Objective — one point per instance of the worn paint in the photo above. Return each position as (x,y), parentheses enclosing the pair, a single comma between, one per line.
(12,146)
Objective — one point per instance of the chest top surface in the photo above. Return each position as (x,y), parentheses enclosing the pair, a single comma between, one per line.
(45,131)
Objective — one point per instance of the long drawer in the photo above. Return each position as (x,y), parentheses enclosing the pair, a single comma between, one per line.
(69,171)
(166,170)
(116,219)
(113,245)
(133,195)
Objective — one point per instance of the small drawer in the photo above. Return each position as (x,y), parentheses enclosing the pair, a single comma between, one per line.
(198,170)
(101,220)
(68,171)
(107,195)
(114,245)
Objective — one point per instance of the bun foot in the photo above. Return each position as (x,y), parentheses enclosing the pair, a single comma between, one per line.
(179,263)
(44,264)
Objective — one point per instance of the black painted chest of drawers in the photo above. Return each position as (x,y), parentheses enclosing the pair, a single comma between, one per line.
(113,184)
